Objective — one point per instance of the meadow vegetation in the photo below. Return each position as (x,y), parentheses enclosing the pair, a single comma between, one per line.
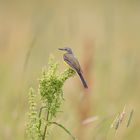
(104,36)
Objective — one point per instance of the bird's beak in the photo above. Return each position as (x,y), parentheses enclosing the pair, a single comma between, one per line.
(62,49)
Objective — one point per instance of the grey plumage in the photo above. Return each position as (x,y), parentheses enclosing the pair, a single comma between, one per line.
(72,61)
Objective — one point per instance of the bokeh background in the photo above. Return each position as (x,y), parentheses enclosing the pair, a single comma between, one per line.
(105,36)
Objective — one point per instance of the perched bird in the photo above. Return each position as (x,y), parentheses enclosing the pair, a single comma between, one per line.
(72,61)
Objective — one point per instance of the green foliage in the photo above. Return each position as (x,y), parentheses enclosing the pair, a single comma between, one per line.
(51,93)
(33,132)
(50,87)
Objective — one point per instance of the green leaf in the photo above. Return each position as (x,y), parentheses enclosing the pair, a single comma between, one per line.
(66,130)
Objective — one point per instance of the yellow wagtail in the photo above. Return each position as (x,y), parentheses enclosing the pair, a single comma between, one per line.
(71,60)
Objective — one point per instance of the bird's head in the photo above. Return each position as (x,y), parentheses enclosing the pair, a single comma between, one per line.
(67,49)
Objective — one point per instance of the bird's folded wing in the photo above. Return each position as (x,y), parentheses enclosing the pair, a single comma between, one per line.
(72,61)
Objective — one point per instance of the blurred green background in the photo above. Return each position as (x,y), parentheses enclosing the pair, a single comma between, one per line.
(105,36)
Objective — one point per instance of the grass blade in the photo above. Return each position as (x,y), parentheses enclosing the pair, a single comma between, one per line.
(130,118)
(66,130)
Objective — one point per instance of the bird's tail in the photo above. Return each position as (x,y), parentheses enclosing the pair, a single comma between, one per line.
(82,79)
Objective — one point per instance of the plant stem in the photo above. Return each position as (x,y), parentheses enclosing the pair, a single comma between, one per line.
(39,115)
(45,129)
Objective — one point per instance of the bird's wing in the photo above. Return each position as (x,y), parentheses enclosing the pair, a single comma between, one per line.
(72,62)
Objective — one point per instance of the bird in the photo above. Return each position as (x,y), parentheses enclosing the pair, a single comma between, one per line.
(72,61)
